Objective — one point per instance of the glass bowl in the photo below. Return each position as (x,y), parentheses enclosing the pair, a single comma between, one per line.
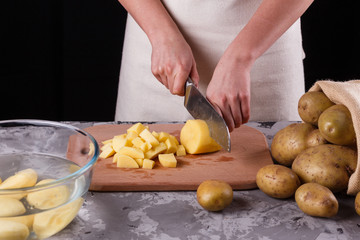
(45,169)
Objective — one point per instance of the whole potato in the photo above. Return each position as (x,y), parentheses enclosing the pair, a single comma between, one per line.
(357,203)
(311,105)
(277,181)
(290,141)
(336,125)
(329,165)
(316,200)
(214,195)
(315,138)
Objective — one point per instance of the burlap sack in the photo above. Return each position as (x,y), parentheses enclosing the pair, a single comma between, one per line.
(348,94)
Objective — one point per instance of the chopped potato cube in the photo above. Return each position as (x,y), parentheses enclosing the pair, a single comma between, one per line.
(180,151)
(171,145)
(174,139)
(137,128)
(107,141)
(120,141)
(139,161)
(148,164)
(167,160)
(107,152)
(146,146)
(124,161)
(131,152)
(154,152)
(131,135)
(109,144)
(137,142)
(155,134)
(163,136)
(148,137)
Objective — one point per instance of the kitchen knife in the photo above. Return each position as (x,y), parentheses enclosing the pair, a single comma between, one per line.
(200,108)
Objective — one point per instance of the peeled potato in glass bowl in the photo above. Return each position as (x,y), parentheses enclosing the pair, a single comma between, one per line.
(45,169)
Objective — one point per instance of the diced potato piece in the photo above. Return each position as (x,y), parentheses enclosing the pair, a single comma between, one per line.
(174,139)
(155,134)
(195,136)
(154,152)
(107,152)
(171,145)
(131,152)
(109,144)
(124,161)
(107,141)
(163,136)
(180,151)
(167,160)
(138,128)
(137,142)
(139,161)
(146,146)
(131,135)
(121,141)
(148,164)
(148,137)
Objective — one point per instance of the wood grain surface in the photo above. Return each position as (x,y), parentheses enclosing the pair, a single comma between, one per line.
(249,152)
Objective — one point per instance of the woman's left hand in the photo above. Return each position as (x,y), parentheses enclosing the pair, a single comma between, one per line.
(229,90)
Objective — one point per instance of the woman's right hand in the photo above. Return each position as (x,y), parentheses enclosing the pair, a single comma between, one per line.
(172,62)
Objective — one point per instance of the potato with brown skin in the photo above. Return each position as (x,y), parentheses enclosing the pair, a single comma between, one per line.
(336,125)
(328,165)
(316,200)
(277,181)
(290,141)
(357,203)
(311,105)
(214,195)
(315,138)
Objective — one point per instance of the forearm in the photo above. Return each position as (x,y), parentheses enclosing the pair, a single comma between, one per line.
(270,21)
(153,18)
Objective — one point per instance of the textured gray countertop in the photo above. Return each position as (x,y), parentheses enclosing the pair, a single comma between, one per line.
(177,215)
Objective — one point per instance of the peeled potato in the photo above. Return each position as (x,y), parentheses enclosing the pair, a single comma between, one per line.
(10,230)
(48,198)
(10,207)
(21,179)
(195,137)
(27,220)
(51,222)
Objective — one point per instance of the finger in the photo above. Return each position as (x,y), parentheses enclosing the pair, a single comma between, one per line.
(225,112)
(179,83)
(194,74)
(235,107)
(245,109)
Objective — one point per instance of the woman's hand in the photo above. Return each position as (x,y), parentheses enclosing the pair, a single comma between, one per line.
(229,90)
(172,62)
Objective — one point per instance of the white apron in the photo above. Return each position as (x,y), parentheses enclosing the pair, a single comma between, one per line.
(277,77)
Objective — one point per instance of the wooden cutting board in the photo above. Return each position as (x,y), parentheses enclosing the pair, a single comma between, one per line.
(249,152)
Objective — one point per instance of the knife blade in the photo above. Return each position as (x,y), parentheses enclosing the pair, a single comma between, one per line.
(200,108)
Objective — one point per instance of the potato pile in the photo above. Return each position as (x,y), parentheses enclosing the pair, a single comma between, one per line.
(139,148)
(15,224)
(315,158)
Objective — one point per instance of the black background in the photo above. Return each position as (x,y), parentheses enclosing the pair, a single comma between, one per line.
(60,59)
